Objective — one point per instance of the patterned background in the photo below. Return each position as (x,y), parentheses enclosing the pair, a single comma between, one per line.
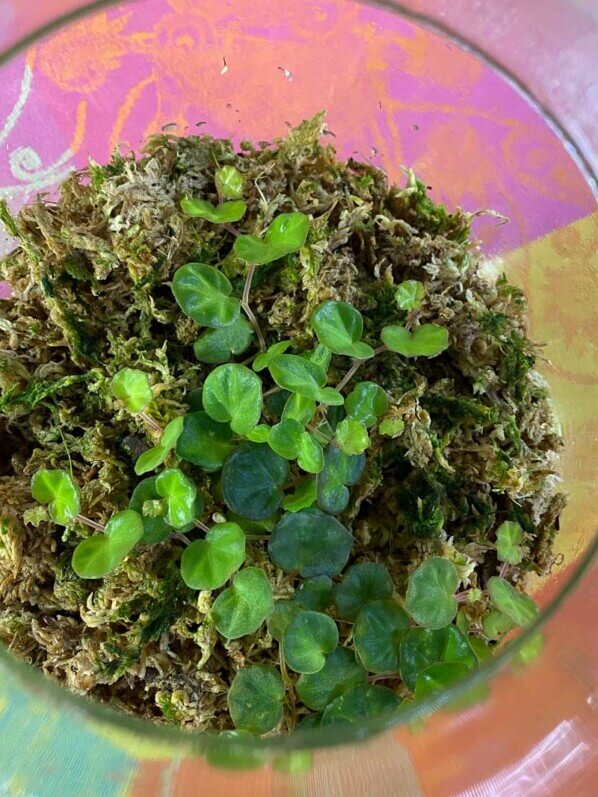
(395,94)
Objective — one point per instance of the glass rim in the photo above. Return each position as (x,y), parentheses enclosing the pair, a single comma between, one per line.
(201,742)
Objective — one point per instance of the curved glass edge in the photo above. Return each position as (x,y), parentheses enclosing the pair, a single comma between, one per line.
(194,743)
(200,743)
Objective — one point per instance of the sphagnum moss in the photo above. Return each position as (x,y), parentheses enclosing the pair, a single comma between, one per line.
(268,429)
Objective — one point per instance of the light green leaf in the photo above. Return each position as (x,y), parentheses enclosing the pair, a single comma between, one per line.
(208,564)
(225,213)
(352,437)
(496,624)
(216,346)
(285,438)
(311,454)
(339,674)
(391,427)
(430,598)
(259,434)
(366,402)
(520,608)
(339,326)
(98,555)
(264,359)
(132,387)
(286,234)
(428,340)
(229,183)
(311,542)
(241,608)
(233,393)
(307,640)
(508,542)
(359,703)
(299,408)
(303,497)
(255,698)
(437,677)
(57,489)
(204,294)
(181,497)
(320,356)
(155,456)
(421,647)
(410,294)
(340,472)
(252,481)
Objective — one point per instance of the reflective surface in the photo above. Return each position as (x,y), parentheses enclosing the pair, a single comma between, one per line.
(395,93)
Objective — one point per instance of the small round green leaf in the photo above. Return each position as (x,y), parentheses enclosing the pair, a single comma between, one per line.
(311,542)
(303,497)
(377,634)
(259,434)
(255,698)
(410,294)
(156,529)
(285,438)
(391,427)
(297,374)
(352,437)
(203,293)
(181,497)
(264,359)
(132,387)
(430,598)
(208,564)
(233,393)
(204,442)
(508,542)
(340,471)
(98,555)
(241,608)
(339,326)
(283,612)
(229,183)
(172,432)
(314,594)
(362,583)
(359,703)
(311,454)
(150,460)
(307,640)
(496,624)
(421,647)
(340,672)
(216,346)
(224,213)
(286,234)
(57,489)
(428,340)
(252,481)
(366,402)
(520,608)
(438,677)
(320,356)
(299,408)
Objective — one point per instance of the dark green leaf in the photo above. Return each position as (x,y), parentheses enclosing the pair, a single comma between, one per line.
(208,564)
(255,698)
(340,471)
(362,583)
(252,481)
(233,393)
(438,677)
(264,359)
(204,441)
(310,542)
(314,594)
(377,634)
(283,612)
(340,672)
(216,346)
(241,608)
(299,375)
(420,647)
(361,702)
(307,640)
(204,294)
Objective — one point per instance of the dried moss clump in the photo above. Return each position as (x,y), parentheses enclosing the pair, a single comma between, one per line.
(476,445)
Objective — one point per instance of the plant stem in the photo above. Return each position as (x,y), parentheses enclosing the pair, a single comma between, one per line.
(324,438)
(503,570)
(198,524)
(347,377)
(248,311)
(182,538)
(272,391)
(380,350)
(88,522)
(150,422)
(232,230)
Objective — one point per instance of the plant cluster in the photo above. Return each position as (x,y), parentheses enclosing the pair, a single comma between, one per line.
(329,481)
